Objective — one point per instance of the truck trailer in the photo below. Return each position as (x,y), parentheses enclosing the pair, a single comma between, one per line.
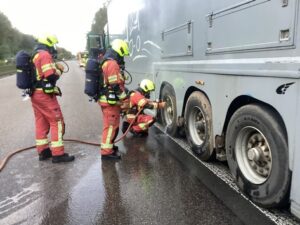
(229,72)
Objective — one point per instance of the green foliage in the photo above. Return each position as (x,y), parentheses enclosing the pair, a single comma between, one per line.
(100,20)
(12,41)
(64,54)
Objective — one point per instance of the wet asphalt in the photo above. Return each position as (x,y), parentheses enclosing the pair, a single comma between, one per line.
(148,186)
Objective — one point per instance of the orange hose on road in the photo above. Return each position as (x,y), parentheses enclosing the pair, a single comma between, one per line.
(130,125)
(6,158)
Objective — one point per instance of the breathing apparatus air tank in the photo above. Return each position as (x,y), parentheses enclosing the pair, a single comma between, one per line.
(93,78)
(25,70)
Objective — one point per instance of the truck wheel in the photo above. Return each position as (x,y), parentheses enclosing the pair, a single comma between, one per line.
(168,115)
(198,126)
(257,154)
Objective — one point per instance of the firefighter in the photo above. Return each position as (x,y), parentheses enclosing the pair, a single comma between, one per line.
(47,112)
(110,101)
(139,99)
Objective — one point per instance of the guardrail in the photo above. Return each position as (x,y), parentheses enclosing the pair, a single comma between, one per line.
(7,69)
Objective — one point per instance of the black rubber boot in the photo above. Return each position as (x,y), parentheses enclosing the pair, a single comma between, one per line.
(63,158)
(115,148)
(114,155)
(125,126)
(139,134)
(45,154)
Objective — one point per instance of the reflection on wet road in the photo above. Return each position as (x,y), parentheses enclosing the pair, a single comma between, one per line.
(148,186)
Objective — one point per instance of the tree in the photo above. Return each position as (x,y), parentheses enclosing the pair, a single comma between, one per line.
(99,22)
(12,41)
(64,54)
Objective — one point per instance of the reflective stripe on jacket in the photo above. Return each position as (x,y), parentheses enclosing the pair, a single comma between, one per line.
(112,76)
(44,64)
(138,100)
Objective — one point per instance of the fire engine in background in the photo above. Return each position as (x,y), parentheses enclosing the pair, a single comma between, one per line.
(82,58)
(230,78)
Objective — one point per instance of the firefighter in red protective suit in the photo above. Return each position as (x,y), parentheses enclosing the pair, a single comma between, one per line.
(110,102)
(48,115)
(139,99)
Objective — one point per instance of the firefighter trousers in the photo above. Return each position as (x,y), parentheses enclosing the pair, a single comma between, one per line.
(142,122)
(111,121)
(48,117)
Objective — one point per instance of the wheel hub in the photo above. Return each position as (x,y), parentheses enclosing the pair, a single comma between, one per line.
(197,126)
(253,155)
(169,110)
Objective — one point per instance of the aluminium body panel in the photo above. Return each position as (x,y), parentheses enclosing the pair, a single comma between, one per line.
(237,47)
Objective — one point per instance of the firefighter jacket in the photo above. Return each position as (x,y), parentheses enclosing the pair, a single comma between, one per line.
(45,66)
(114,84)
(137,101)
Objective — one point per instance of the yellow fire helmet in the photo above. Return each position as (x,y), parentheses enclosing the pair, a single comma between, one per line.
(147,85)
(120,47)
(49,40)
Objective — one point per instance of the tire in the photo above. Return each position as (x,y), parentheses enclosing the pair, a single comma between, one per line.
(198,125)
(257,155)
(168,115)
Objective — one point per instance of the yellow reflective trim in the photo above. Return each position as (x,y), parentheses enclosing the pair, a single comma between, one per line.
(49,65)
(41,141)
(141,102)
(59,142)
(112,78)
(143,126)
(104,64)
(109,133)
(20,71)
(58,72)
(38,76)
(107,143)
(103,146)
(44,71)
(56,144)
(122,95)
(111,102)
(103,99)
(60,131)
(49,91)
(130,116)
(35,57)
(46,65)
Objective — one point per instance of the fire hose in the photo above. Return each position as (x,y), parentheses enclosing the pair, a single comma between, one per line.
(4,161)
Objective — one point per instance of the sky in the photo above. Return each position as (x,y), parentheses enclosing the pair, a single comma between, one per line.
(68,20)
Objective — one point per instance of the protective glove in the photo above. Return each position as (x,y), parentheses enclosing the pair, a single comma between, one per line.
(57,91)
(125,105)
(161,105)
(60,67)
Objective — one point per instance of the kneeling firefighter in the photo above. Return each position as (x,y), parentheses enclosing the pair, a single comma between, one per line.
(111,99)
(139,99)
(48,115)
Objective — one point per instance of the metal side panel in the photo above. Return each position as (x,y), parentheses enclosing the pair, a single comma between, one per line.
(252,25)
